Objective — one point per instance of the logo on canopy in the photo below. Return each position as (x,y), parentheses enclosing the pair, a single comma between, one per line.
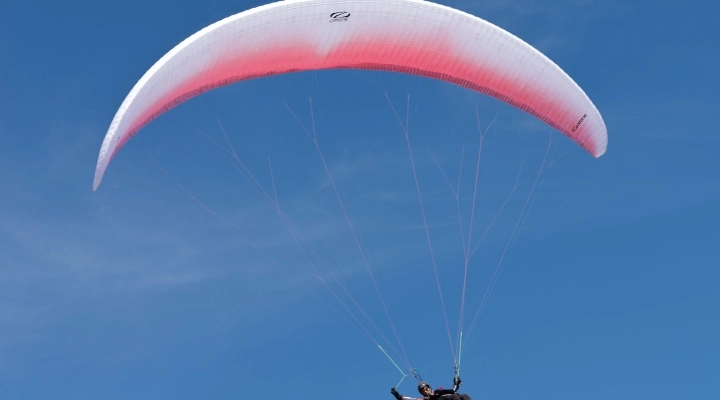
(579,122)
(339,16)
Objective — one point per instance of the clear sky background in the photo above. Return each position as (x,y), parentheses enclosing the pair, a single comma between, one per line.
(608,288)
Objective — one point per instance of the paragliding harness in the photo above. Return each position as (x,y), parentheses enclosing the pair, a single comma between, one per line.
(439,392)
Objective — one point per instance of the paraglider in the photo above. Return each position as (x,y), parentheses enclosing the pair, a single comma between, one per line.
(414,37)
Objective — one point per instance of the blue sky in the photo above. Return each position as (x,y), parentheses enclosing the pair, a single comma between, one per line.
(608,289)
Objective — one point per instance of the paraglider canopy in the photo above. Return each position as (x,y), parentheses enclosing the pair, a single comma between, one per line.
(408,36)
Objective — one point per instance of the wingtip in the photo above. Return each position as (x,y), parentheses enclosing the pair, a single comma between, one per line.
(601,152)
(98,178)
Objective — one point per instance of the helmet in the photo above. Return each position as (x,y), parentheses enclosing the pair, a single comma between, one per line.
(423,385)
